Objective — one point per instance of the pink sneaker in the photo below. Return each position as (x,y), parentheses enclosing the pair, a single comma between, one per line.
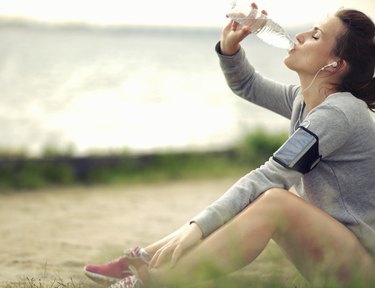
(119,268)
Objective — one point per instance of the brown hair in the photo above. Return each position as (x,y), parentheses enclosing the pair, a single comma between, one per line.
(357,47)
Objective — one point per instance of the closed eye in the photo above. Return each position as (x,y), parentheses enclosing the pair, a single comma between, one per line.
(316,33)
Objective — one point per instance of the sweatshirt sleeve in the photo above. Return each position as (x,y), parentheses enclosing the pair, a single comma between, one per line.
(331,126)
(241,194)
(244,81)
(330,123)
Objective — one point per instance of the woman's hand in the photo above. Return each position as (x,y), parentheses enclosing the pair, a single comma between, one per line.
(176,247)
(231,37)
(234,32)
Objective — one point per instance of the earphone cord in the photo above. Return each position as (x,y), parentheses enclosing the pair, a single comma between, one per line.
(299,120)
(312,81)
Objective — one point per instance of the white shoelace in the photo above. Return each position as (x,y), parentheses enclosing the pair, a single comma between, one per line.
(137,252)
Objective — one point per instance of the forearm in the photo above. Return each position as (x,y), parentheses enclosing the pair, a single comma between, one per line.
(237,70)
(245,82)
(242,193)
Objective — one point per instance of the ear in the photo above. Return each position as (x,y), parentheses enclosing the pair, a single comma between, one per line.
(341,64)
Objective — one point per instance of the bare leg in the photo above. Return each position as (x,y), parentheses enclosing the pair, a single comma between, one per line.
(316,243)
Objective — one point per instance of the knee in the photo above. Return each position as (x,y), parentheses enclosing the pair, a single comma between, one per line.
(280,204)
(275,203)
(276,196)
(281,199)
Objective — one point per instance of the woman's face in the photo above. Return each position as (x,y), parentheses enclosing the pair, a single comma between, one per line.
(313,48)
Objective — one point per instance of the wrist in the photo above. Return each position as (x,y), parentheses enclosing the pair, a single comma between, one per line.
(228,50)
(196,230)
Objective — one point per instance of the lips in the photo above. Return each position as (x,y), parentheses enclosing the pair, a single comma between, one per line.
(292,49)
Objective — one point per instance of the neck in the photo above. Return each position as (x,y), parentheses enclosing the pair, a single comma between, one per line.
(315,89)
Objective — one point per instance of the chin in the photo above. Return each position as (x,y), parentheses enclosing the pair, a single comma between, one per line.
(288,63)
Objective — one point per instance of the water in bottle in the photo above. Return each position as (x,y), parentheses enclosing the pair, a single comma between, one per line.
(266,29)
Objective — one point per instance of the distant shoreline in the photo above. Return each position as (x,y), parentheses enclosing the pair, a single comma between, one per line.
(21,172)
(19,22)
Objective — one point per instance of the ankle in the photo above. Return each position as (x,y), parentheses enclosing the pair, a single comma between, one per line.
(137,263)
(150,251)
(137,253)
(143,274)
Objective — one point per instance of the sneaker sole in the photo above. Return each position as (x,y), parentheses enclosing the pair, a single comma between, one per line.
(101,279)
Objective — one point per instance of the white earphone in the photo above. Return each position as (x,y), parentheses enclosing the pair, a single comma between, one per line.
(334,64)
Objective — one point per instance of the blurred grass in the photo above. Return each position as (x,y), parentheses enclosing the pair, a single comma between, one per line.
(42,283)
(270,270)
(61,167)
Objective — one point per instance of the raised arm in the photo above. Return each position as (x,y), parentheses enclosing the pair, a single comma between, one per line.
(242,78)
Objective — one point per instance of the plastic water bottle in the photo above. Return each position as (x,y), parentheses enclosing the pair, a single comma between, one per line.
(266,29)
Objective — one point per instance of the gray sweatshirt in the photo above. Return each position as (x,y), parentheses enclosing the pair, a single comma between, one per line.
(342,184)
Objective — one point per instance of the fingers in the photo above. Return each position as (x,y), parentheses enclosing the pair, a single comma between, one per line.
(228,26)
(159,258)
(253,19)
(261,21)
(154,259)
(234,26)
(176,255)
(254,11)
(173,250)
(164,255)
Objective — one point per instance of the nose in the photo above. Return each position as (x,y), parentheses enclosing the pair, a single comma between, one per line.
(303,36)
(300,38)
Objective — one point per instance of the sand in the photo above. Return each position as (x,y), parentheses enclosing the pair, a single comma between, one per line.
(51,234)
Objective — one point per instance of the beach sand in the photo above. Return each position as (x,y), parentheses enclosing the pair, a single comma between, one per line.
(49,235)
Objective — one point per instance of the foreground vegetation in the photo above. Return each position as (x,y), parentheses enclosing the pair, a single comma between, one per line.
(227,282)
(271,269)
(18,171)
(39,283)
(232,281)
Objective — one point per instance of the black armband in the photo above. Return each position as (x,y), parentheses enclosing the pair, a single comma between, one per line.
(300,152)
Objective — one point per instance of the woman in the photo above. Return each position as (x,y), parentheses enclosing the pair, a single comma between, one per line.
(328,231)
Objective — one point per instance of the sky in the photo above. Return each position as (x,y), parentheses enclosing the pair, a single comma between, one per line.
(172,12)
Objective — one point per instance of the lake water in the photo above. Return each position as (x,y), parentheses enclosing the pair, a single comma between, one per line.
(132,89)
